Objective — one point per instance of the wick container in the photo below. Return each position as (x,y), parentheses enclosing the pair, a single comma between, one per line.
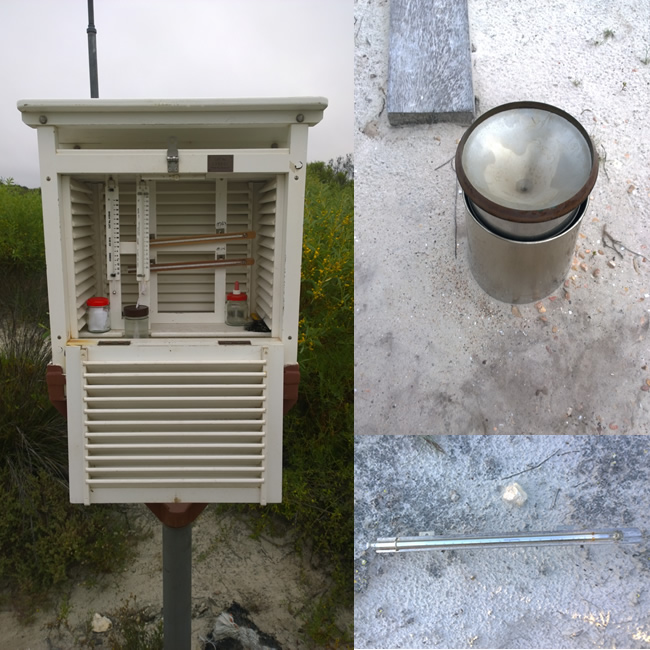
(136,321)
(236,307)
(99,315)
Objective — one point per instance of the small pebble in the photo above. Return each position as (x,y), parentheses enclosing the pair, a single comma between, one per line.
(516,312)
(611,264)
(514,494)
(583,266)
(645,388)
(540,308)
(613,426)
(555,329)
(596,273)
(101,623)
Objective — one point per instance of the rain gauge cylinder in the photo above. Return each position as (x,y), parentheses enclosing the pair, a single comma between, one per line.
(526,170)
(162,208)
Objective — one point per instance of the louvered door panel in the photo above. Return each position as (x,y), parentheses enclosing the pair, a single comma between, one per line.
(85,246)
(239,219)
(264,224)
(193,425)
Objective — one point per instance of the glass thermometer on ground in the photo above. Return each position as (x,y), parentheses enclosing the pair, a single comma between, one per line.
(427,542)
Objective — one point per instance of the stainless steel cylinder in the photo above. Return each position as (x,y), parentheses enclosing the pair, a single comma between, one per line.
(525,231)
(515,271)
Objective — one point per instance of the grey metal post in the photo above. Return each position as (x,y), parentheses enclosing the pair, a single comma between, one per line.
(177,587)
(92,52)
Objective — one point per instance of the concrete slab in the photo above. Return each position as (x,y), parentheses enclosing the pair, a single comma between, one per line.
(434,353)
(561,597)
(429,69)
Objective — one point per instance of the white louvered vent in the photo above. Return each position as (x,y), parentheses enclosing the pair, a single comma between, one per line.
(185,208)
(177,429)
(264,225)
(239,219)
(188,408)
(85,245)
(179,209)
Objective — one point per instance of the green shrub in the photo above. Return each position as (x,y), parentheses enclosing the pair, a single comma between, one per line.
(21,227)
(131,631)
(32,432)
(318,432)
(327,288)
(43,538)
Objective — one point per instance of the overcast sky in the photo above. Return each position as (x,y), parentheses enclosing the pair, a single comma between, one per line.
(175,49)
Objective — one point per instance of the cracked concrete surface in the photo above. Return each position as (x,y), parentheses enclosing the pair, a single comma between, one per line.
(554,597)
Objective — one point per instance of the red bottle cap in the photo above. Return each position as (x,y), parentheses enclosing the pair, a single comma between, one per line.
(97,302)
(236,294)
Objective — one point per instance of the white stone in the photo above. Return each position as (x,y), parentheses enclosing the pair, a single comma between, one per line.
(514,494)
(101,623)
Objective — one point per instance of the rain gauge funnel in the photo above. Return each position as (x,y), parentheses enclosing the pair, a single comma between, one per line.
(526,170)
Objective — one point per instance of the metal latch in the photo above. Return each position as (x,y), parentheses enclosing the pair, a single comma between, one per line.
(172,156)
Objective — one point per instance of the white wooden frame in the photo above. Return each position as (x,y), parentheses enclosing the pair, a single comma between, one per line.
(90,141)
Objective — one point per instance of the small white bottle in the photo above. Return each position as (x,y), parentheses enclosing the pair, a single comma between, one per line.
(99,315)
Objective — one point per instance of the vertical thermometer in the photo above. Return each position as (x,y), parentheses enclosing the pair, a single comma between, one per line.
(142,232)
(112,230)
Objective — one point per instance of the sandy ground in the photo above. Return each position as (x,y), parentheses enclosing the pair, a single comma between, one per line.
(265,577)
(561,597)
(433,352)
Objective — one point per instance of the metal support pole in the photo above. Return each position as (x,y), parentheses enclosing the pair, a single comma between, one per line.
(177,587)
(92,51)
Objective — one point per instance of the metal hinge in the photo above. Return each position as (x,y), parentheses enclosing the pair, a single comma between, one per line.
(172,156)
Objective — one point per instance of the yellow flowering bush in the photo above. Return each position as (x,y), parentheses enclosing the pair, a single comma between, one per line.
(327,291)
(318,431)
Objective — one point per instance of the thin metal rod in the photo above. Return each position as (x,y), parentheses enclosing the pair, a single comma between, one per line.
(200,239)
(205,264)
(500,540)
(92,52)
(177,587)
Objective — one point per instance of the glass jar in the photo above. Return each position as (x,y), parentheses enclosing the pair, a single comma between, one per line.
(99,315)
(236,307)
(136,321)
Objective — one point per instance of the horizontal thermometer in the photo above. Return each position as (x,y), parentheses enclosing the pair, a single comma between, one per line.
(426,542)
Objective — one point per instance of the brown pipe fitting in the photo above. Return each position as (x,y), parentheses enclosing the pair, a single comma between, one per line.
(176,515)
(291,382)
(56,388)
